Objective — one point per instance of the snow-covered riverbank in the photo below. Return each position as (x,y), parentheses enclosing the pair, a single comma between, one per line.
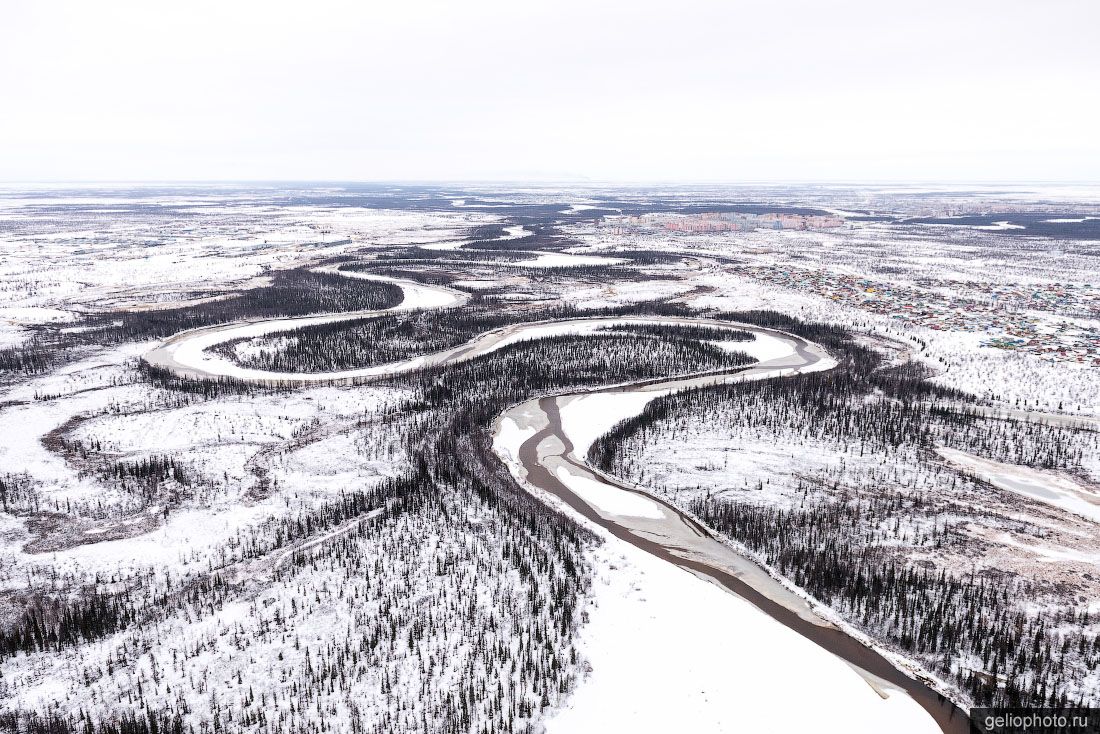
(660,634)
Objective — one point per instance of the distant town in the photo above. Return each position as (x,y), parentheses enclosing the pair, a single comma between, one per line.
(1016,317)
(721,222)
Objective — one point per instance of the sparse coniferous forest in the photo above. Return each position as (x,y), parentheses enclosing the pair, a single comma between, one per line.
(451,546)
(290,293)
(348,526)
(883,536)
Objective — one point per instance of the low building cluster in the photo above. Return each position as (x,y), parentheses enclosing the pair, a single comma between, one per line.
(1015,317)
(721,222)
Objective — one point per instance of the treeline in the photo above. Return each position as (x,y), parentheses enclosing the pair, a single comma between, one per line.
(841,406)
(519,369)
(648,257)
(89,614)
(205,389)
(373,341)
(149,479)
(49,623)
(436,275)
(146,722)
(860,401)
(298,292)
(149,472)
(292,293)
(546,548)
(17,494)
(458,549)
(684,331)
(445,257)
(846,549)
(541,237)
(487,232)
(32,357)
(1026,660)
(323,348)
(908,381)
(380,340)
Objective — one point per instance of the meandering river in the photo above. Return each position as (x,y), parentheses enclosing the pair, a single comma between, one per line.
(546,452)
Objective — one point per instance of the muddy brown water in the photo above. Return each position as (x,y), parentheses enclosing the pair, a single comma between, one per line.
(950,718)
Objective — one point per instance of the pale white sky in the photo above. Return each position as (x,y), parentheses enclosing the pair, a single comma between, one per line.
(663,91)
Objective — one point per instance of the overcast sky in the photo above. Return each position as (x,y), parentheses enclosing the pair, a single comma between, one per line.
(563,90)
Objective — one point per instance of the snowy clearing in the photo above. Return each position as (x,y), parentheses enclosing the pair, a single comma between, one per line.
(1050,487)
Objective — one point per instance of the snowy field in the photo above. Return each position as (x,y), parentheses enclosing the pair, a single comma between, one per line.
(672,652)
(328,557)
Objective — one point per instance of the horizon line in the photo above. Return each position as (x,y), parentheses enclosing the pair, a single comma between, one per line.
(550,182)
